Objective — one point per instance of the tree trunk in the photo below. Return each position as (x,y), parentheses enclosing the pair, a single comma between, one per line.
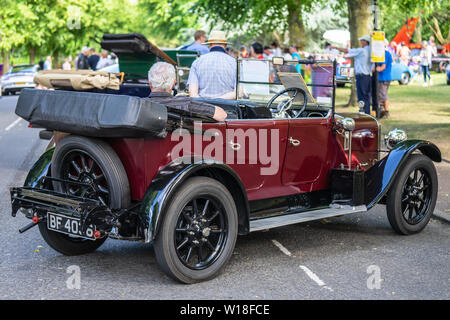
(55,60)
(33,51)
(359,25)
(437,31)
(5,59)
(296,27)
(418,31)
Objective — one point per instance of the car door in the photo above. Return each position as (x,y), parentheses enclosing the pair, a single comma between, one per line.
(255,149)
(306,152)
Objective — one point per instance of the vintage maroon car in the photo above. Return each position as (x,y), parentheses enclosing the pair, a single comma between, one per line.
(136,170)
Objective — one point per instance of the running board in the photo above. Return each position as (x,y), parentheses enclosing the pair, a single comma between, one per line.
(287,219)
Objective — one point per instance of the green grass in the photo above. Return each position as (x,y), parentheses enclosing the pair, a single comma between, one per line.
(423,112)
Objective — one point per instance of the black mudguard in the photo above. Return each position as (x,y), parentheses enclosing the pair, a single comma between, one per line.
(40,169)
(379,178)
(169,178)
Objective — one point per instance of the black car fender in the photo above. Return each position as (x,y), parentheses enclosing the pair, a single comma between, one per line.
(379,178)
(168,179)
(40,169)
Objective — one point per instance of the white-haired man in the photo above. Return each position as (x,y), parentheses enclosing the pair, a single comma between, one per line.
(162,79)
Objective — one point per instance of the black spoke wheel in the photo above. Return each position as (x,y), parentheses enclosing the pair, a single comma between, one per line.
(92,162)
(199,231)
(412,198)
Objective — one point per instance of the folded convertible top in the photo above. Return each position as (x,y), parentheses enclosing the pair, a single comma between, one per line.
(93,114)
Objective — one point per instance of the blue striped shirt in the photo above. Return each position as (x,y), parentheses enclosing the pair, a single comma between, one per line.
(214,73)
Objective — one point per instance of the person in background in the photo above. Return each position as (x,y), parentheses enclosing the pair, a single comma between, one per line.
(286,54)
(363,69)
(256,51)
(432,46)
(330,53)
(114,57)
(243,52)
(392,48)
(384,80)
(267,53)
(66,65)
(93,59)
(276,50)
(82,62)
(48,63)
(197,45)
(104,61)
(425,63)
(404,53)
(162,79)
(213,75)
(41,64)
(296,56)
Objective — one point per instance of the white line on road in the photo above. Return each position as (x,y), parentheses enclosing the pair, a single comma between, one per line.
(13,124)
(314,277)
(283,249)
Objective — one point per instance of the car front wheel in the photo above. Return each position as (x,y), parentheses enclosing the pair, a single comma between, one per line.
(199,231)
(405,78)
(412,197)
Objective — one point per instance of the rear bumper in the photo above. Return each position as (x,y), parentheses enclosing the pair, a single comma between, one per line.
(38,201)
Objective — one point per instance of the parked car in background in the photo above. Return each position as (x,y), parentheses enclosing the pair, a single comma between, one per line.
(401,72)
(440,63)
(19,76)
(114,68)
(344,73)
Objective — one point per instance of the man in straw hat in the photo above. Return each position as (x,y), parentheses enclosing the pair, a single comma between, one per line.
(363,68)
(213,75)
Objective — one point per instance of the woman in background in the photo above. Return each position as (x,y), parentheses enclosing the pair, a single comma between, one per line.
(425,63)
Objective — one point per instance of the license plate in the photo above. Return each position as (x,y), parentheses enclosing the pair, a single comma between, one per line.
(20,83)
(68,225)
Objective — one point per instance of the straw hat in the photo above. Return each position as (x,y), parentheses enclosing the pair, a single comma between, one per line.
(218,37)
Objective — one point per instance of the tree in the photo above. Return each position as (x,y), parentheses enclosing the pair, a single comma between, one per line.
(167,21)
(11,34)
(259,16)
(435,19)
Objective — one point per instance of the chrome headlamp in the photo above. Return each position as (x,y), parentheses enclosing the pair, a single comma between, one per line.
(394,137)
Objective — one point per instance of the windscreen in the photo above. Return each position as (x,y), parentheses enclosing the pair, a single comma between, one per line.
(261,79)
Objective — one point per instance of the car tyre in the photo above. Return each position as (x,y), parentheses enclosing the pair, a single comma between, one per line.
(182,261)
(412,198)
(405,78)
(104,163)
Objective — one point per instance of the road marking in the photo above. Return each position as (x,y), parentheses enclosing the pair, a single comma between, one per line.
(315,278)
(13,124)
(283,249)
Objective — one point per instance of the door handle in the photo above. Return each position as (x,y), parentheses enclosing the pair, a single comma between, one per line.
(294,142)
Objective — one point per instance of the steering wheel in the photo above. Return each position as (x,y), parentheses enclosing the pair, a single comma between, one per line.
(284,107)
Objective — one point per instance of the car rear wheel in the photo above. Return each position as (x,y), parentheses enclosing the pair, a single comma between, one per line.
(405,78)
(89,161)
(412,197)
(199,231)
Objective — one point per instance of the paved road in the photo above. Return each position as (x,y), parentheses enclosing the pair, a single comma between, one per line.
(330,259)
